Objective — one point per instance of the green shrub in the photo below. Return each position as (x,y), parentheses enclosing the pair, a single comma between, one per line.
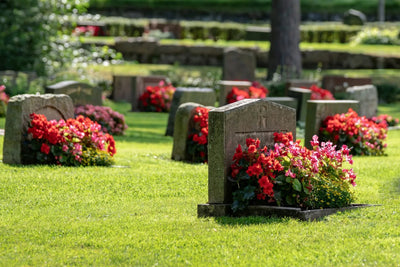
(388,93)
(377,36)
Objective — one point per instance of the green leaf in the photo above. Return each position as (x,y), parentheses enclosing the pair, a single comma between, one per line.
(297,185)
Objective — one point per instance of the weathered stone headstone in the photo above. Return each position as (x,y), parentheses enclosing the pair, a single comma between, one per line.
(354,17)
(367,95)
(296,83)
(203,96)
(302,96)
(231,125)
(130,88)
(239,65)
(54,107)
(284,100)
(339,83)
(80,93)
(318,110)
(226,88)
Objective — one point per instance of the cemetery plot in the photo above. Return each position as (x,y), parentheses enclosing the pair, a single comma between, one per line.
(80,93)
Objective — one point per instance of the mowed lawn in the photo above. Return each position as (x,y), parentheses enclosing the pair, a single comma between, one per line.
(143,212)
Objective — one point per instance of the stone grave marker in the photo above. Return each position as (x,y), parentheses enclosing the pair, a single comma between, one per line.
(284,100)
(130,88)
(367,95)
(339,83)
(80,93)
(226,87)
(302,96)
(203,96)
(54,107)
(296,83)
(181,129)
(318,110)
(229,126)
(238,65)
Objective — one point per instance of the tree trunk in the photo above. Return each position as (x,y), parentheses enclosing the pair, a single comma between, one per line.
(381,11)
(284,53)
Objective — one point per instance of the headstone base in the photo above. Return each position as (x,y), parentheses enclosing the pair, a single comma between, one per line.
(218,210)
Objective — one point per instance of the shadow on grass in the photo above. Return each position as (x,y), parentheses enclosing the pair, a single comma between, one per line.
(144,137)
(251,220)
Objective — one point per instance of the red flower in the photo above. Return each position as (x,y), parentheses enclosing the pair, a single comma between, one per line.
(45,148)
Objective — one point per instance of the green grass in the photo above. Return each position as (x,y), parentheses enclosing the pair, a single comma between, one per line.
(143,213)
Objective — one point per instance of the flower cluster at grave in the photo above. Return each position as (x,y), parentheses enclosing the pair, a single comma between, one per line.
(89,30)
(363,136)
(318,93)
(74,142)
(196,145)
(157,98)
(256,90)
(3,101)
(111,121)
(389,120)
(292,175)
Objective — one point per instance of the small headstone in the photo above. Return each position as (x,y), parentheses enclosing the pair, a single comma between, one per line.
(54,107)
(80,93)
(296,83)
(130,88)
(354,17)
(339,83)
(239,65)
(284,100)
(367,95)
(226,87)
(203,96)
(302,96)
(318,110)
(231,125)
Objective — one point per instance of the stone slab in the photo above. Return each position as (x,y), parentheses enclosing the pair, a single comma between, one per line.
(54,107)
(367,95)
(231,125)
(80,93)
(238,65)
(284,100)
(339,83)
(302,96)
(225,87)
(318,110)
(202,96)
(218,210)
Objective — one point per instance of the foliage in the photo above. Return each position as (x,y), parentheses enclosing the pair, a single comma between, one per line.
(361,135)
(111,121)
(388,93)
(384,118)
(3,101)
(75,142)
(157,98)
(196,145)
(377,36)
(292,175)
(256,90)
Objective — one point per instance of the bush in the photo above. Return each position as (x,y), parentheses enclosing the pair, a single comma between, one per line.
(3,101)
(157,98)
(111,121)
(388,93)
(377,36)
(196,145)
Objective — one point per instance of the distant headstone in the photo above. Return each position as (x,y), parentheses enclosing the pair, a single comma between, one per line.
(226,88)
(231,125)
(296,83)
(130,88)
(203,96)
(302,96)
(367,95)
(54,107)
(339,83)
(239,65)
(284,100)
(80,93)
(318,110)
(354,17)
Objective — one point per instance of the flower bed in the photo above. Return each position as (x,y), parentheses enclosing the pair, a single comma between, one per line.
(318,93)
(196,145)
(256,90)
(292,175)
(361,135)
(111,121)
(74,142)
(389,120)
(3,101)
(157,98)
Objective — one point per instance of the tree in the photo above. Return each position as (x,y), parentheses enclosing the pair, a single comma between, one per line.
(284,54)
(381,11)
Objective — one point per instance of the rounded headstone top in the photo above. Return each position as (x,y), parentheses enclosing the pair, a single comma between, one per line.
(23,97)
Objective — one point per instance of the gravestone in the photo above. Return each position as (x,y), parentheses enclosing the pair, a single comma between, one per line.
(231,125)
(226,88)
(80,93)
(181,129)
(367,95)
(284,100)
(130,88)
(296,83)
(54,107)
(239,65)
(339,83)
(318,110)
(203,96)
(302,96)
(354,17)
